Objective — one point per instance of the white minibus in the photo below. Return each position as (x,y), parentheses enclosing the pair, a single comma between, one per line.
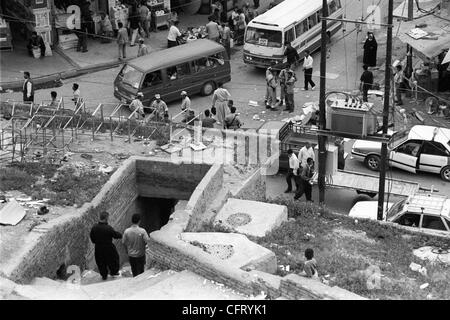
(294,21)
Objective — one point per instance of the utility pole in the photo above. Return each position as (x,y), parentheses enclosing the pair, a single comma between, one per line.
(322,111)
(409,68)
(410,10)
(387,89)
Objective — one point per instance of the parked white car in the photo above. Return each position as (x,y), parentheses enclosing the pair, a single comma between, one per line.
(422,148)
(427,213)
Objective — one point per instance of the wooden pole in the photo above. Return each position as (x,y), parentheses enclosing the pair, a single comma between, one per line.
(387,89)
(322,110)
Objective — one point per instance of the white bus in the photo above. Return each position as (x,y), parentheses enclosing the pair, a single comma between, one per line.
(295,21)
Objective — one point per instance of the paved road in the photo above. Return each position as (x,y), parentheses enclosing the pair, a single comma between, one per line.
(248,83)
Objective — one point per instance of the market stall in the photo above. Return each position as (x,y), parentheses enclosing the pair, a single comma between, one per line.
(161,8)
(429,38)
(5,36)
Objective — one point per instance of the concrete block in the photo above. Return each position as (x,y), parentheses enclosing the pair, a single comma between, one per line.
(251,217)
(234,250)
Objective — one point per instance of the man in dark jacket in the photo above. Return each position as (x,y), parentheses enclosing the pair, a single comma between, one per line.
(106,255)
(291,55)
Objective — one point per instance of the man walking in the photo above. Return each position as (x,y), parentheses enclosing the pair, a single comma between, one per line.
(144,13)
(306,152)
(292,171)
(134,239)
(226,38)
(366,82)
(106,255)
(28,88)
(308,70)
(291,55)
(305,181)
(122,39)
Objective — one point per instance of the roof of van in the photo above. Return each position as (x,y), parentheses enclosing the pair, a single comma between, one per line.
(168,57)
(287,12)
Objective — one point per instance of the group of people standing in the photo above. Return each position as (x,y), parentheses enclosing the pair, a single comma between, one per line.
(301,169)
(285,80)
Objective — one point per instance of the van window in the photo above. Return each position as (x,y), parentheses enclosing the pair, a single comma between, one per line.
(263,37)
(175,72)
(289,35)
(152,79)
(131,76)
(312,20)
(202,64)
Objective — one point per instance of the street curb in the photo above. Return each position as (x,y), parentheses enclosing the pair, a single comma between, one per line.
(53,80)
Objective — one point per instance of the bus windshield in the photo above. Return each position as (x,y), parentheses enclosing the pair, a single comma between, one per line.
(264,37)
(131,76)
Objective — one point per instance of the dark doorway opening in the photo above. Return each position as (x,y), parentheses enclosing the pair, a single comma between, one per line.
(155,212)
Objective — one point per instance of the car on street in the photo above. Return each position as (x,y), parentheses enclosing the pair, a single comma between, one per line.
(421,148)
(421,212)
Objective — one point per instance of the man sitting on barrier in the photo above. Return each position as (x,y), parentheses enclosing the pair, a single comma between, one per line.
(159,107)
(137,107)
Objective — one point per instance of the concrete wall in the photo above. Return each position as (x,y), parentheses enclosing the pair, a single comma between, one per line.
(162,179)
(66,239)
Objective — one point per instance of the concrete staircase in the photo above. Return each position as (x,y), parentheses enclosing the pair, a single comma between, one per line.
(151,285)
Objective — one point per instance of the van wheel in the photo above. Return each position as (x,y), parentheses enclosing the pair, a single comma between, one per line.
(208,88)
(445,173)
(372,162)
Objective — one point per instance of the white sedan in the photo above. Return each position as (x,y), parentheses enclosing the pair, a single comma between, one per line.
(422,148)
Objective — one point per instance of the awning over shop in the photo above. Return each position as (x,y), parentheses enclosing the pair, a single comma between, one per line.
(435,38)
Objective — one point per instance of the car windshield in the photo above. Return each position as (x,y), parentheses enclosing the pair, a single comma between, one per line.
(131,76)
(396,208)
(398,138)
(263,37)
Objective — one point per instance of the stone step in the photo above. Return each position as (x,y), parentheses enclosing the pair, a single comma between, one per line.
(187,285)
(125,287)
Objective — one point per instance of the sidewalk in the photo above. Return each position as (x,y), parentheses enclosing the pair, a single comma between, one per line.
(65,64)
(48,71)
